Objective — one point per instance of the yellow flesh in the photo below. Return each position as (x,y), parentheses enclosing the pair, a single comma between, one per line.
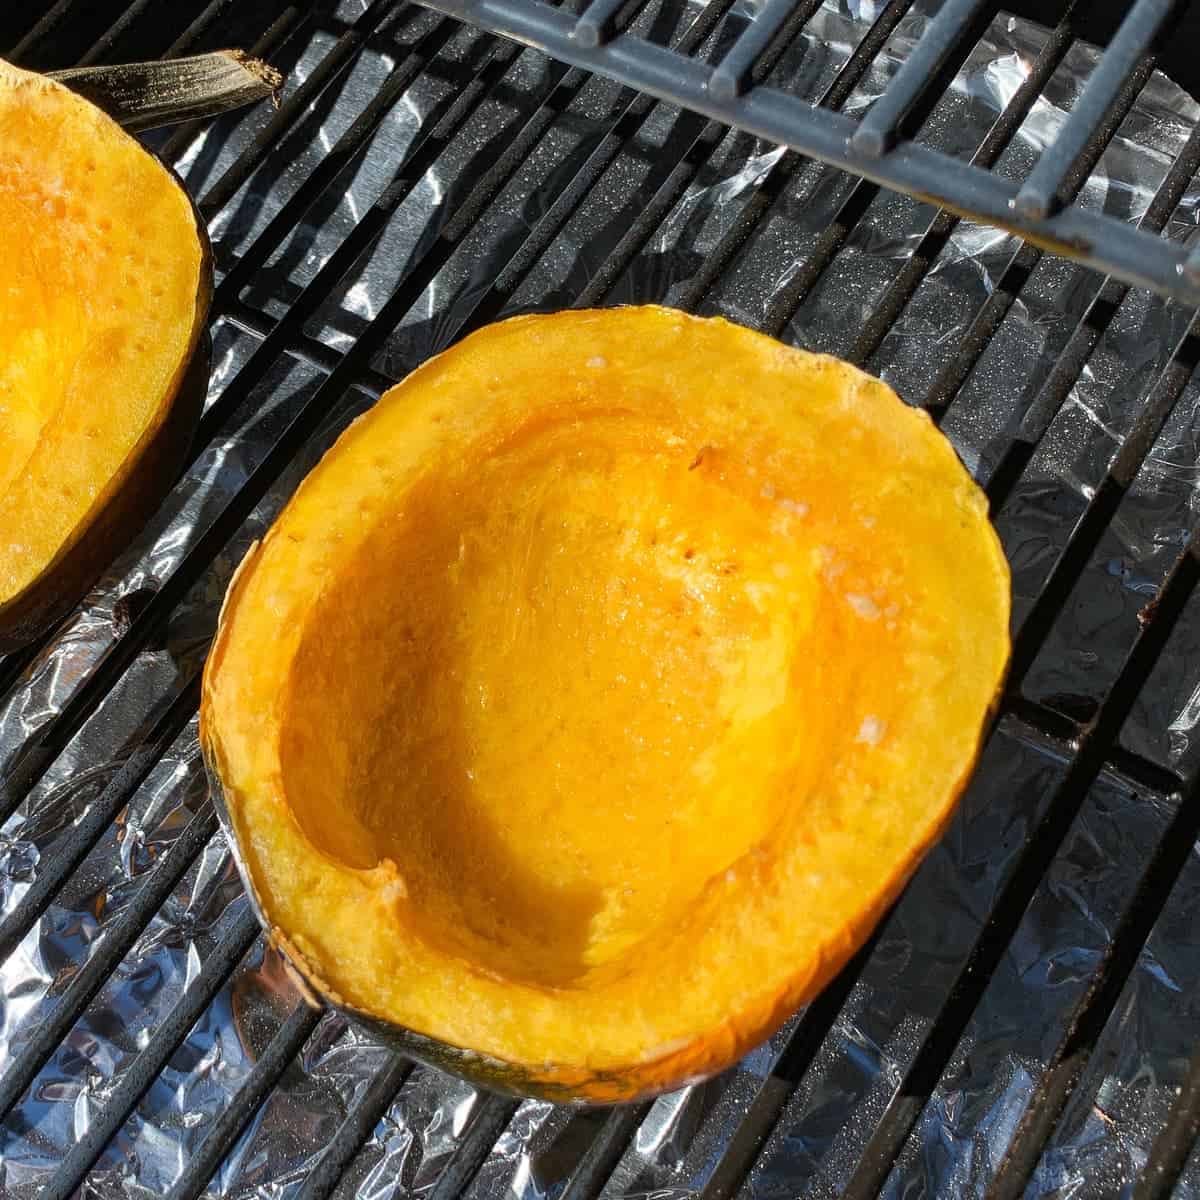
(621,666)
(545,843)
(99,269)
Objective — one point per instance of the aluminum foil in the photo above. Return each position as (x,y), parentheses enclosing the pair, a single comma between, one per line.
(678,1142)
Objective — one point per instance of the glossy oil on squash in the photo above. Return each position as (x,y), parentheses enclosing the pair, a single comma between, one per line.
(598,691)
(104,283)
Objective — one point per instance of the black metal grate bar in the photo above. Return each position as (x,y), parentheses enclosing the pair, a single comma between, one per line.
(359,1122)
(203,1164)
(798,1055)
(487,1125)
(1052,395)
(13,666)
(117,942)
(75,846)
(288,23)
(1106,244)
(949,37)
(789,298)
(137,1078)
(1125,463)
(196,30)
(1090,1015)
(601,1157)
(771,187)
(1025,258)
(732,73)
(647,221)
(1175,1140)
(1043,191)
(330,68)
(115,32)
(302,347)
(1060,735)
(42,30)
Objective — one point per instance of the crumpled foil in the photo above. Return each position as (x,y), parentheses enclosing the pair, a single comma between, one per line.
(677,1143)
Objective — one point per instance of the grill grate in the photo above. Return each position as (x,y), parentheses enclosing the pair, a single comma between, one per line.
(1063,773)
(1040,208)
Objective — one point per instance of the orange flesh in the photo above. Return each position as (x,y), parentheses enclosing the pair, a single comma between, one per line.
(545,844)
(601,687)
(99,265)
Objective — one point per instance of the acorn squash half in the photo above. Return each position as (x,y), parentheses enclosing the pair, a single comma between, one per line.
(105,281)
(597,692)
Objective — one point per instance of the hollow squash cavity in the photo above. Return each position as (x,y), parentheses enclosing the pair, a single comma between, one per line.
(103,277)
(599,690)
(575,708)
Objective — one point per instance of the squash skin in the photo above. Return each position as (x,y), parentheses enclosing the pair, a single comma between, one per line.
(153,466)
(707,1052)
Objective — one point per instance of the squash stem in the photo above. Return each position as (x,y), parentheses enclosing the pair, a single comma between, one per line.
(146,95)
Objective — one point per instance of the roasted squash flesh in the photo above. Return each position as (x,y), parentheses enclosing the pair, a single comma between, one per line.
(601,687)
(583,565)
(103,277)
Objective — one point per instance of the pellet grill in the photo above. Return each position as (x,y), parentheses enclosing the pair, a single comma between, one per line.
(992,207)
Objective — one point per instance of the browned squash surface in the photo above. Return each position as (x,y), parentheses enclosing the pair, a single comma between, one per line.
(104,284)
(598,691)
